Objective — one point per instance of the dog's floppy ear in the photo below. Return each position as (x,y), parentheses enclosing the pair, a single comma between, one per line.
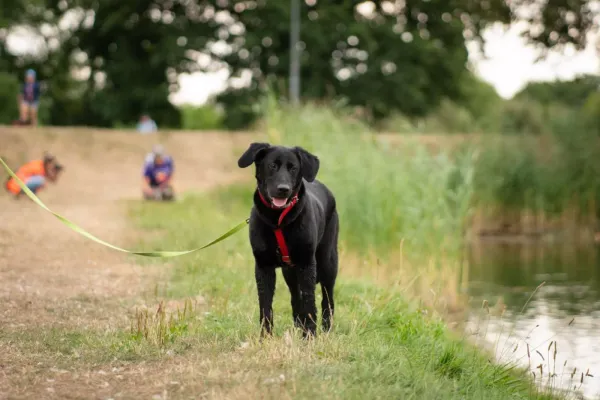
(251,154)
(309,164)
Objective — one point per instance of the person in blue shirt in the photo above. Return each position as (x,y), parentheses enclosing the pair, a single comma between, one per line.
(158,173)
(146,125)
(29,99)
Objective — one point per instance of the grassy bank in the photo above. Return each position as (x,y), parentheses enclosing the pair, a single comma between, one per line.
(382,346)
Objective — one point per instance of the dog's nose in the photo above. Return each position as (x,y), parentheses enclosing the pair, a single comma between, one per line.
(283,189)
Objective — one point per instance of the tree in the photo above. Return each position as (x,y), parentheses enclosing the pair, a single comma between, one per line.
(116,60)
(572,93)
(555,24)
(134,52)
(382,56)
(385,56)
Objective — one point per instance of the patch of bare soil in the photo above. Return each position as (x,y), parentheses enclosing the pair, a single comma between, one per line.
(53,278)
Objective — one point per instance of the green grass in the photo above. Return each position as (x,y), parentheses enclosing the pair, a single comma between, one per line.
(381,346)
(201,118)
(385,196)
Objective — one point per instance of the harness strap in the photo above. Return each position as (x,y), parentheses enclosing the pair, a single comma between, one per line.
(283,249)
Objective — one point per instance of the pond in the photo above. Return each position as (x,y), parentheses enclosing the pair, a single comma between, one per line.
(551,330)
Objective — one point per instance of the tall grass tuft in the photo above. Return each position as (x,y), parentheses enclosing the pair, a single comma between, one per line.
(553,178)
(385,196)
(161,327)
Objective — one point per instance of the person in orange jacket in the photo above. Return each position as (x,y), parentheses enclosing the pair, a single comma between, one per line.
(35,174)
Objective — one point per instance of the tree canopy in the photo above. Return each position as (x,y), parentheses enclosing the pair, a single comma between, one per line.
(109,61)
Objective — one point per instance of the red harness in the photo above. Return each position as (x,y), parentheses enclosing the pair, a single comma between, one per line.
(283,249)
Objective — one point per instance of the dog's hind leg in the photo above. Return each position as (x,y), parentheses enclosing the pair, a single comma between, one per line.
(326,275)
(291,278)
(265,283)
(327,268)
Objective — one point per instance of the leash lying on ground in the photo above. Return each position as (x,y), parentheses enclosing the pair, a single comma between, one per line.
(73,226)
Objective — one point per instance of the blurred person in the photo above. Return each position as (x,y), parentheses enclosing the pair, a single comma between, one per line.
(158,172)
(29,99)
(35,174)
(146,124)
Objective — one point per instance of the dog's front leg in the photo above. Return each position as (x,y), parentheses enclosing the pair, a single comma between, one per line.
(265,283)
(307,279)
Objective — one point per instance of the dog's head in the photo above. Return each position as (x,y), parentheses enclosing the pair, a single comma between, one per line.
(279,170)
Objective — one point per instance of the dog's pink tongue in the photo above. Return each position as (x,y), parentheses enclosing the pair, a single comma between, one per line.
(279,202)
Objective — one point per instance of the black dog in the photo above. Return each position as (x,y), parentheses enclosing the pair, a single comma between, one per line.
(294,225)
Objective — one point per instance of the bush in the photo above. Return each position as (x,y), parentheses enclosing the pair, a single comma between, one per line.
(397,123)
(550,174)
(9,90)
(507,174)
(481,100)
(449,118)
(523,116)
(201,118)
(591,113)
(242,108)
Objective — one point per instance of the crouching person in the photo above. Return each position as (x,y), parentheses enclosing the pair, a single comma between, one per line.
(158,172)
(35,174)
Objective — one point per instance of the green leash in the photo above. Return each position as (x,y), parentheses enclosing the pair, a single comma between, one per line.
(73,226)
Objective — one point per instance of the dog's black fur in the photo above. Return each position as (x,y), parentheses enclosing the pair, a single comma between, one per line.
(310,230)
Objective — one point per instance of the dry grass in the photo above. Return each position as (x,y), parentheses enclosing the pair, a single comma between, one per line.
(435,284)
(61,292)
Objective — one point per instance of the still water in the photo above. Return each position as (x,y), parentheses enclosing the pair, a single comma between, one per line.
(561,320)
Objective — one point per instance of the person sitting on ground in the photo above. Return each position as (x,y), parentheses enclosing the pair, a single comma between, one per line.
(158,172)
(29,99)
(34,175)
(146,124)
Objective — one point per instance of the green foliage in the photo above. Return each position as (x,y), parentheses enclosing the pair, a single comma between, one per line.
(201,118)
(558,23)
(9,89)
(572,93)
(449,117)
(522,116)
(373,61)
(384,196)
(551,174)
(591,112)
(484,104)
(541,108)
(242,107)
(392,61)
(507,174)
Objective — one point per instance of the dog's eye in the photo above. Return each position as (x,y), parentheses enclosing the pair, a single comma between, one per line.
(293,169)
(273,166)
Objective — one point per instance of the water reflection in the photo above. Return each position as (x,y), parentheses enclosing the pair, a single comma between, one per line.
(564,312)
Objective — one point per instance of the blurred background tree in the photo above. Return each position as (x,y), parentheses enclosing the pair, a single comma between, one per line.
(106,62)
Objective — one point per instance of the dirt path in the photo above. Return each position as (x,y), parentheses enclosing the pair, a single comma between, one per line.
(53,278)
